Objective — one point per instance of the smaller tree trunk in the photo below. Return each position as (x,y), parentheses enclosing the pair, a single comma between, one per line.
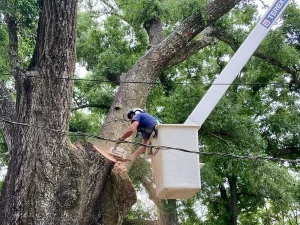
(169,214)
(233,199)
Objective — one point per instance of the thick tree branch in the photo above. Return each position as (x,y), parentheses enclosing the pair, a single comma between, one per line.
(34,57)
(166,208)
(50,50)
(182,35)
(235,45)
(148,185)
(218,8)
(194,24)
(192,48)
(13,43)
(223,192)
(154,31)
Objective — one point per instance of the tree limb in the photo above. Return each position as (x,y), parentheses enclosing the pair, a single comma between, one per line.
(34,57)
(223,192)
(183,34)
(235,45)
(148,185)
(154,30)
(13,43)
(193,47)
(218,8)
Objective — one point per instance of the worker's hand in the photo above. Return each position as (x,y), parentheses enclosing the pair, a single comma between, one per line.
(118,142)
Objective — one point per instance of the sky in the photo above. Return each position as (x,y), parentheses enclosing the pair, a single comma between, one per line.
(3,171)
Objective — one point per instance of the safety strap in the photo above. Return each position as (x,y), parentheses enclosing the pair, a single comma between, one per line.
(153,151)
(149,131)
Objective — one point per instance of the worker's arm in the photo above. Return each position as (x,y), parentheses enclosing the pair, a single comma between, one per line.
(130,131)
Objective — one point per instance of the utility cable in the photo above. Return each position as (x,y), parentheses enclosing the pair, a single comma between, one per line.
(252,157)
(143,82)
(153,146)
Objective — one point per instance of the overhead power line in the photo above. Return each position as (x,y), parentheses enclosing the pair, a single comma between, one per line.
(251,157)
(153,146)
(154,83)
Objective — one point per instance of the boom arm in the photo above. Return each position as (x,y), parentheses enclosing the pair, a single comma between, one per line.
(235,65)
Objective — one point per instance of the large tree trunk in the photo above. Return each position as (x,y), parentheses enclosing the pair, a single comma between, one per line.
(41,184)
(230,201)
(49,181)
(169,213)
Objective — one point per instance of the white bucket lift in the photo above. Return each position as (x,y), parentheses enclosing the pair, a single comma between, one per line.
(176,173)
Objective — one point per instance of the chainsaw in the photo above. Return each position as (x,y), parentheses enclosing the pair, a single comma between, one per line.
(119,153)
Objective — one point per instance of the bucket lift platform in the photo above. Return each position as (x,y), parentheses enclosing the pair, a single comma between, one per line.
(176,173)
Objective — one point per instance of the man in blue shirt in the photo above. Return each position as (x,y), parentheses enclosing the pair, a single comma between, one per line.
(141,122)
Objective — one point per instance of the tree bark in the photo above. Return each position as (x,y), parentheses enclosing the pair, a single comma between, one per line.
(42,183)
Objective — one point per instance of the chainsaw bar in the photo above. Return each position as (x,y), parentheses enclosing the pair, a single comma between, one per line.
(119,153)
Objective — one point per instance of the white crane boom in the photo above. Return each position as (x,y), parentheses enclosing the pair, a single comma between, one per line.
(235,65)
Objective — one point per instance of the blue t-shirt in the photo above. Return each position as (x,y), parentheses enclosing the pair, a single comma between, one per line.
(146,125)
